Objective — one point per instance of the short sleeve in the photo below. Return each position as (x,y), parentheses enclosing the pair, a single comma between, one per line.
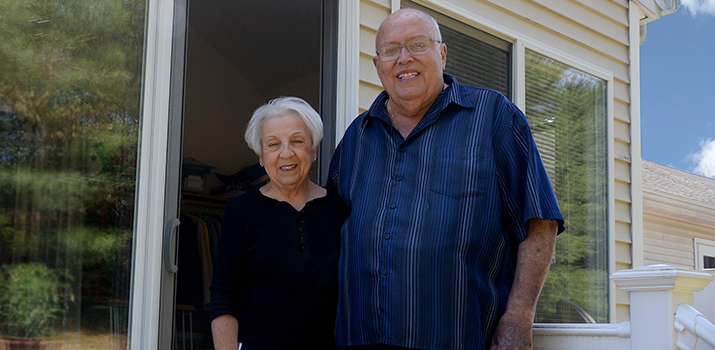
(524,185)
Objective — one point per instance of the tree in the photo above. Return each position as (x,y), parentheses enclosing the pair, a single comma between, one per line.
(69,120)
(566,112)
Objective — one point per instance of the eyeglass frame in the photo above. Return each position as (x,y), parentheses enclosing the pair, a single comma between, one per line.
(399,48)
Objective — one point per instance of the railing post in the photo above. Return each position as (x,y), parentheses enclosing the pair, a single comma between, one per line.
(655,293)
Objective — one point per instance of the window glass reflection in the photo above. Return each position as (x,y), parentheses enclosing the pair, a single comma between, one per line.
(566,109)
(70,82)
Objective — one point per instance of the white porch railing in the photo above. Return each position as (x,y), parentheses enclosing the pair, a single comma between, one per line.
(695,332)
(656,292)
(584,336)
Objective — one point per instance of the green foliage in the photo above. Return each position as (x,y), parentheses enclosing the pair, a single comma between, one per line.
(32,296)
(566,111)
(70,84)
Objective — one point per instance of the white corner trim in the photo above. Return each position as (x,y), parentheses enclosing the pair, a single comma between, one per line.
(395,5)
(348,75)
(635,129)
(151,175)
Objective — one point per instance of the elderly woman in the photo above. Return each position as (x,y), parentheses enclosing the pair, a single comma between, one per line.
(275,274)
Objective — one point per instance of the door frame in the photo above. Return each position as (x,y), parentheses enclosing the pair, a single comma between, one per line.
(150,204)
(151,322)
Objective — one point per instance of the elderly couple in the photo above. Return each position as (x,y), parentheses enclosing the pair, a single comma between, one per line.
(436,229)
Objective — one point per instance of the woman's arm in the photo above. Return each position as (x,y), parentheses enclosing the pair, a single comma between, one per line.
(225,332)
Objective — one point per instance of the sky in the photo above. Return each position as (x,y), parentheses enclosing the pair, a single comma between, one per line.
(678,89)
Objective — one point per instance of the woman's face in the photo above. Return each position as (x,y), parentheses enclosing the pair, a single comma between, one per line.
(287,150)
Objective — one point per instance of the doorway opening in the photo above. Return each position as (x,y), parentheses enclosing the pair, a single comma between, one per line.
(239,55)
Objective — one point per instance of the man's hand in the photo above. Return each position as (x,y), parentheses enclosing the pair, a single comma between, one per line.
(513,333)
(532,264)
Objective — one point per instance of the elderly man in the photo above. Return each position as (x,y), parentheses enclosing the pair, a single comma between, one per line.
(453,218)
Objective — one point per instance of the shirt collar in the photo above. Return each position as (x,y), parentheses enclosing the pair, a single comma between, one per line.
(452,94)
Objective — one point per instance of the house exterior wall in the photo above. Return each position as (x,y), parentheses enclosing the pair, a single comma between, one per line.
(593,36)
(670,227)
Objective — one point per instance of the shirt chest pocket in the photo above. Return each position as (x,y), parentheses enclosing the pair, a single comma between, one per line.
(459,172)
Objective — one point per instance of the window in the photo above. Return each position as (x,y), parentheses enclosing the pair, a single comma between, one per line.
(566,109)
(70,98)
(474,57)
(704,254)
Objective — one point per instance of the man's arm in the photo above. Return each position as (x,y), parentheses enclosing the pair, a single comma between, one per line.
(532,265)
(225,332)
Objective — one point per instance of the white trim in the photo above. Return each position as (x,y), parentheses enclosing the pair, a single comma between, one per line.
(611,198)
(703,247)
(635,128)
(348,70)
(149,212)
(518,67)
(620,330)
(395,5)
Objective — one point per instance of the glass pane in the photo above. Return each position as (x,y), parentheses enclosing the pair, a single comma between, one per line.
(566,109)
(69,123)
(474,62)
(708,262)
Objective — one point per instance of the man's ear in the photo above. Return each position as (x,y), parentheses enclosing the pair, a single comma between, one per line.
(443,52)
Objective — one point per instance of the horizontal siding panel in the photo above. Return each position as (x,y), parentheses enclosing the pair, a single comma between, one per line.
(469,11)
(620,266)
(623,211)
(368,73)
(529,13)
(367,92)
(622,171)
(668,260)
(675,227)
(614,10)
(593,21)
(668,238)
(386,4)
(622,297)
(623,232)
(656,245)
(672,251)
(621,111)
(623,191)
(372,15)
(622,131)
(367,41)
(621,91)
(622,151)
(623,313)
(623,253)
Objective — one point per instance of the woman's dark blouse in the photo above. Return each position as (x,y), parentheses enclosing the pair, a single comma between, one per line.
(276,270)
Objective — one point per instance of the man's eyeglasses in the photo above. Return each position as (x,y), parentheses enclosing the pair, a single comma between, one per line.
(415,46)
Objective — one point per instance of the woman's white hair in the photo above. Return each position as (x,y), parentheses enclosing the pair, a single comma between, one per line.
(278,107)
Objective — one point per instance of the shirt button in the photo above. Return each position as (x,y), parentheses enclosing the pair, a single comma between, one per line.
(393,206)
(387,236)
(384,272)
(398,177)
